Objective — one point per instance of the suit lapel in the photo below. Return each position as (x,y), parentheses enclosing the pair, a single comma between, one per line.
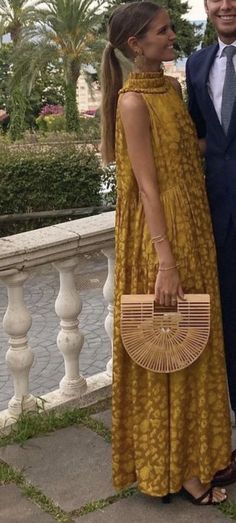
(232,131)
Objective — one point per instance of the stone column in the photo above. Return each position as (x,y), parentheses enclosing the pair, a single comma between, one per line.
(69,340)
(16,323)
(108,293)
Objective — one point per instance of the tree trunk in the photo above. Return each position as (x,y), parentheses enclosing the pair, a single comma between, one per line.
(71,109)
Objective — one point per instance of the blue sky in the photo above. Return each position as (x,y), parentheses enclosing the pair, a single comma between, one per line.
(197,10)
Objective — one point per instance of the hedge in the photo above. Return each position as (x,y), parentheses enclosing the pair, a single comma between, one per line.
(89,129)
(48,178)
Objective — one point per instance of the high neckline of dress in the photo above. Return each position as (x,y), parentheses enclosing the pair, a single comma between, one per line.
(152,75)
(153,82)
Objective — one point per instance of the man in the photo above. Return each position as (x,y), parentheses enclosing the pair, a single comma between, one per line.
(211,84)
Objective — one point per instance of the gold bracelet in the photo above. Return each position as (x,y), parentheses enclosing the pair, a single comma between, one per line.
(159,239)
(169,268)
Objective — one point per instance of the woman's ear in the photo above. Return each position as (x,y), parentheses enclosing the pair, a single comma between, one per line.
(134,45)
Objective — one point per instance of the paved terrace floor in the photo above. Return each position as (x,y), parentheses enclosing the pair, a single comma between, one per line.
(68,473)
(41,291)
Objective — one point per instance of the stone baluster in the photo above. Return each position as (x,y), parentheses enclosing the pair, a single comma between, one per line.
(16,323)
(108,293)
(69,340)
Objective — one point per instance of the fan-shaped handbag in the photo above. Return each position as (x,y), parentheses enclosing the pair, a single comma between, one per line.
(162,339)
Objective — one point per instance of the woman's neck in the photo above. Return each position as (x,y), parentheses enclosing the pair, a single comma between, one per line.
(148,68)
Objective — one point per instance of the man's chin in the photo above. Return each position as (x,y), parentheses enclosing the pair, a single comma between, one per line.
(227,32)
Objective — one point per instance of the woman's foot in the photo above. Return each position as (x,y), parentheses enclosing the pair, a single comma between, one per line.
(202,494)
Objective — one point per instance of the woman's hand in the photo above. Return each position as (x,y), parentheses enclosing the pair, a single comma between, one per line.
(168,287)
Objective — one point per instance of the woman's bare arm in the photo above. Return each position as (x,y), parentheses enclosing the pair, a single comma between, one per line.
(136,122)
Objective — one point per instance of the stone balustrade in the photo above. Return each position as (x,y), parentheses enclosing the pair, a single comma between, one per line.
(59,245)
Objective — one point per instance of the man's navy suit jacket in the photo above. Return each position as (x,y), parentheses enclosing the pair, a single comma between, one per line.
(221,149)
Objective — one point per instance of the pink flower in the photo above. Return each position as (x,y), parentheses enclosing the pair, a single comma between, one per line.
(52,109)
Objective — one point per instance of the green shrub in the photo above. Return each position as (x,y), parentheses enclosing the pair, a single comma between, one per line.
(48,178)
(56,123)
(88,128)
(51,123)
(109,184)
(41,123)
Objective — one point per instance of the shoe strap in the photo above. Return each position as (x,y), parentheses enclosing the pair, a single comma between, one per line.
(209,493)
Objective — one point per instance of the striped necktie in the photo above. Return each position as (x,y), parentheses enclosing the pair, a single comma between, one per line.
(229,88)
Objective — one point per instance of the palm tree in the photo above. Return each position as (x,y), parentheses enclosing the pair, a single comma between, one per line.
(15,17)
(68,32)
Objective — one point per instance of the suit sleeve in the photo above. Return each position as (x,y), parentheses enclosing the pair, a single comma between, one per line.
(193,106)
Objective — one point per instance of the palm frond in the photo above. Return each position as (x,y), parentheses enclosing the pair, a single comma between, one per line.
(29,60)
(18,14)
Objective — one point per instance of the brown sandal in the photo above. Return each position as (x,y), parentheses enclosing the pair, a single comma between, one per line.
(200,500)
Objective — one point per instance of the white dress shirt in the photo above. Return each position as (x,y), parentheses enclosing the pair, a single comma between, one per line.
(217,77)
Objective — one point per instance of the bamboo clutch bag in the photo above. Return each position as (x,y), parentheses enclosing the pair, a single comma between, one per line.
(162,339)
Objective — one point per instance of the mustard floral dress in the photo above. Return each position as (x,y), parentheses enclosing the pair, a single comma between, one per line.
(167,428)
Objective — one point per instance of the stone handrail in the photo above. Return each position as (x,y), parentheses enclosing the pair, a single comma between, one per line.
(60,245)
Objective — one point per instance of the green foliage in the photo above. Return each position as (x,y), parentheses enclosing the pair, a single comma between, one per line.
(49,178)
(34,423)
(71,109)
(109,184)
(9,475)
(68,34)
(48,87)
(16,16)
(42,123)
(18,110)
(210,36)
(66,38)
(88,131)
(51,123)
(93,506)
(5,74)
(229,509)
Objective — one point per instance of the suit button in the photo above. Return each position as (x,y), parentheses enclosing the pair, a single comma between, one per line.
(227,157)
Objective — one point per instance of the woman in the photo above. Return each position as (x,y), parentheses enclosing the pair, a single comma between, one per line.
(170,432)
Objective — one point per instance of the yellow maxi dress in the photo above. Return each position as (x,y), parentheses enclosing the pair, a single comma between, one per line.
(167,428)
